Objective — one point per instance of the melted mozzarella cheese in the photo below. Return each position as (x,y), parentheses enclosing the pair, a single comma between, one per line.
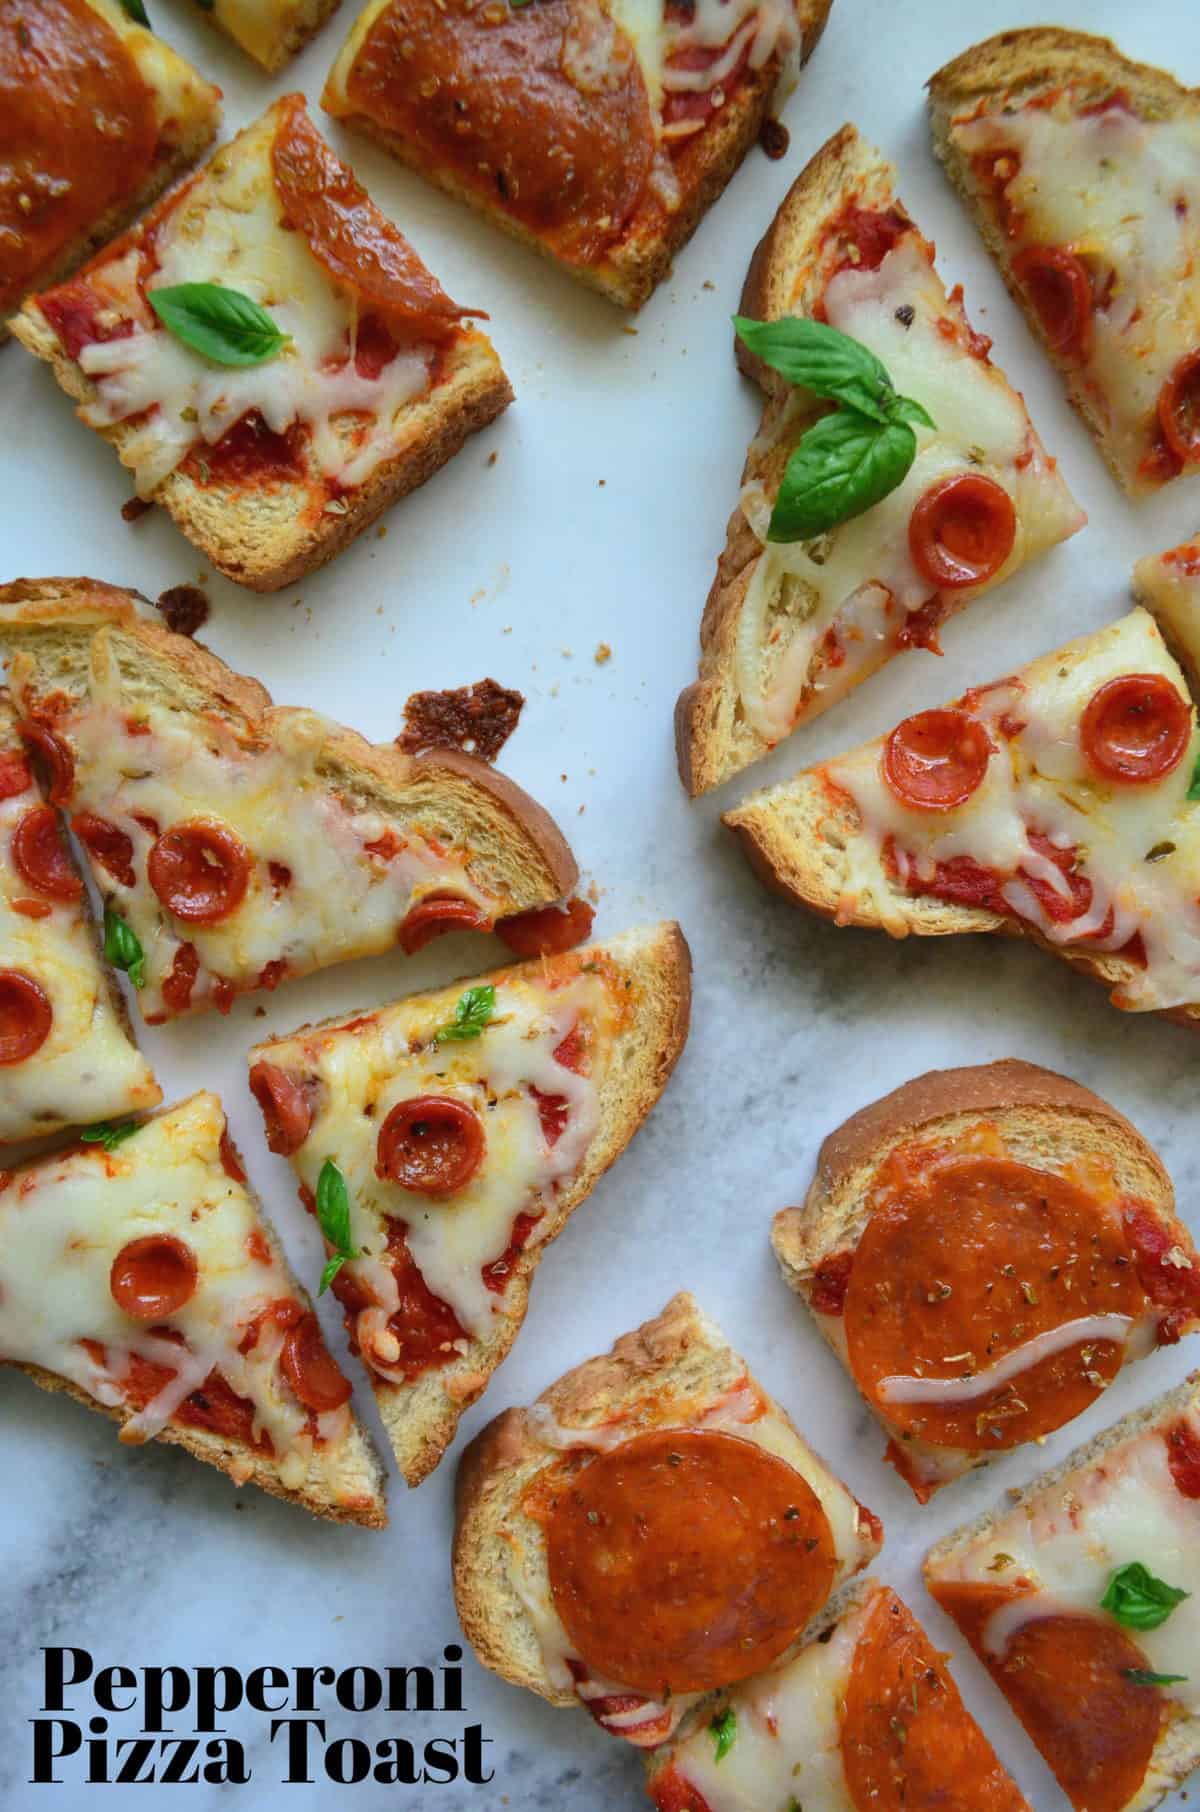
(1138,846)
(261,27)
(859,583)
(62,1224)
(1069,1538)
(88,1067)
(227,229)
(1108,186)
(184,103)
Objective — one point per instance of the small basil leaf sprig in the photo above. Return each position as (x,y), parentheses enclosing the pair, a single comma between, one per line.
(1145,1676)
(122,948)
(1136,1598)
(110,1133)
(1193,791)
(723,1730)
(333,1213)
(223,324)
(472,1013)
(133,9)
(851,459)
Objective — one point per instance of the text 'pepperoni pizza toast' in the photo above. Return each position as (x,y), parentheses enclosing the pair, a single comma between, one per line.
(270,31)
(67,1056)
(461,1130)
(1082,1600)
(597,131)
(792,625)
(138,1275)
(651,1529)
(1060,804)
(97,116)
(1082,172)
(984,1249)
(866,1718)
(268,355)
(237,843)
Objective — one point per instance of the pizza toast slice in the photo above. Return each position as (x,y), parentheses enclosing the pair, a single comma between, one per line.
(235,842)
(270,31)
(597,133)
(1081,170)
(67,1053)
(659,1478)
(866,1718)
(984,1249)
(1168,585)
(1082,1600)
(447,1139)
(97,116)
(138,1274)
(268,355)
(1055,804)
(795,619)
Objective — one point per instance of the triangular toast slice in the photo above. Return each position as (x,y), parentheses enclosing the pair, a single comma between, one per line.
(138,1274)
(466,1126)
(791,627)
(237,843)
(1059,803)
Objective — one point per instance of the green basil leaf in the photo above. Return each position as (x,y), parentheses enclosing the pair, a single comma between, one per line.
(844,464)
(1138,1600)
(823,360)
(906,409)
(724,1732)
(330,1272)
(474,1011)
(122,949)
(333,1213)
(1193,791)
(221,323)
(134,10)
(1142,1676)
(109,1133)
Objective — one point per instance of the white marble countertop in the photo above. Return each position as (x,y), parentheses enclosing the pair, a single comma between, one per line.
(599,522)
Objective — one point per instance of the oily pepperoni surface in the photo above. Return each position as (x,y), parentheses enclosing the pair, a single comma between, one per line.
(1179,409)
(40,856)
(976,1255)
(200,871)
(311,1369)
(684,1560)
(106,844)
(152,1277)
(671,1793)
(962,531)
(542,110)
(432,1144)
(1183,1457)
(178,985)
(285,1108)
(1136,728)
(77,132)
(26,1016)
(1060,291)
(15,777)
(907,1742)
(57,756)
(936,760)
(434,915)
(548,930)
(348,236)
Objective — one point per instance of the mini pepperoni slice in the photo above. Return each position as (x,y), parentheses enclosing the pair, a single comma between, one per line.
(1060,291)
(55,754)
(107,845)
(285,1107)
(549,930)
(908,1743)
(153,1277)
(26,1016)
(436,914)
(684,1560)
(311,1369)
(1136,728)
(179,982)
(15,777)
(672,1793)
(936,760)
(962,531)
(41,857)
(200,871)
(1179,409)
(432,1144)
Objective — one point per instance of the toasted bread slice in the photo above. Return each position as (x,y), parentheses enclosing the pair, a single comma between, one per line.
(617,232)
(676,1373)
(271,469)
(1055,141)
(1064,1218)
(865,1714)
(570,1056)
(791,627)
(1130,1498)
(242,842)
(110,116)
(840,841)
(270,31)
(142,1279)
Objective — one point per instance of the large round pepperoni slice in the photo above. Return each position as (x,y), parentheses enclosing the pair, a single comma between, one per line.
(285,1107)
(26,1016)
(153,1277)
(200,871)
(908,1743)
(1179,409)
(1060,290)
(311,1369)
(432,1144)
(56,755)
(684,1560)
(1136,728)
(962,531)
(40,856)
(433,916)
(107,845)
(548,930)
(964,1260)
(936,760)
